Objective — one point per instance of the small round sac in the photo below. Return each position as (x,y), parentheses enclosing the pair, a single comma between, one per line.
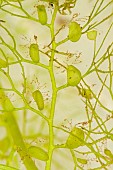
(37,95)
(108,153)
(38,153)
(5,167)
(1,2)
(82,161)
(7,104)
(73,76)
(75,31)
(86,93)
(34,53)
(42,14)
(15,0)
(3,64)
(91,35)
(4,144)
(75,138)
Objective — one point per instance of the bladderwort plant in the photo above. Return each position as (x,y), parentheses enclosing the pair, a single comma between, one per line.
(56,90)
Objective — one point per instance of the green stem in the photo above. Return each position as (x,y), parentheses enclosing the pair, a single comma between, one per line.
(13,128)
(18,141)
(54,93)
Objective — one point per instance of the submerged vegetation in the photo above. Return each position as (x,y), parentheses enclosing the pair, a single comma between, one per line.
(56,84)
